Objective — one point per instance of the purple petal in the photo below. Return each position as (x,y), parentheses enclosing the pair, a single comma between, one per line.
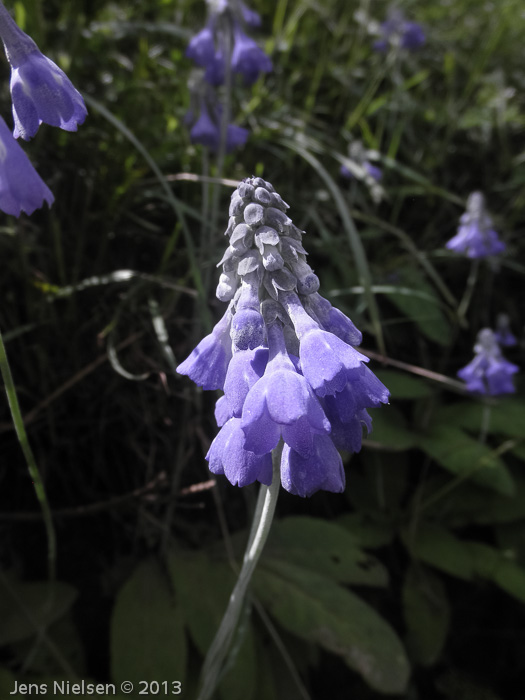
(21,188)
(246,367)
(42,93)
(322,469)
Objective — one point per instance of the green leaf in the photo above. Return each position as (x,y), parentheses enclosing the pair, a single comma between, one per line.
(147,635)
(403,385)
(318,610)
(423,307)
(27,608)
(490,563)
(370,532)
(505,417)
(323,547)
(427,614)
(438,547)
(466,457)
(389,429)
(203,585)
(467,503)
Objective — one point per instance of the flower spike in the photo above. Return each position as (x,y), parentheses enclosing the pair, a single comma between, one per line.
(286,358)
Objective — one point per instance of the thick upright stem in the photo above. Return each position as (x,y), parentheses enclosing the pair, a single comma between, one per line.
(217,655)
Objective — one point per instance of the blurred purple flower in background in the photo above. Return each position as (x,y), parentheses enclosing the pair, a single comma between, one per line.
(397,31)
(206,128)
(41,92)
(21,187)
(489,372)
(293,374)
(503,334)
(358,166)
(476,237)
(223,38)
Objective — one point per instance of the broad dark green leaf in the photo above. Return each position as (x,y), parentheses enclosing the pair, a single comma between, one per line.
(466,457)
(438,547)
(427,614)
(418,301)
(403,385)
(370,532)
(147,634)
(505,417)
(318,610)
(27,608)
(490,563)
(389,429)
(323,547)
(203,585)
(467,503)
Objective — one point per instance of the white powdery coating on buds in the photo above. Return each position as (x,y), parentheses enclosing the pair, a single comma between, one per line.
(227,286)
(247,329)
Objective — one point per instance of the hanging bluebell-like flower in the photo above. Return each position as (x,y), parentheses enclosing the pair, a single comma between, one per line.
(476,237)
(21,187)
(40,91)
(290,372)
(489,372)
(397,31)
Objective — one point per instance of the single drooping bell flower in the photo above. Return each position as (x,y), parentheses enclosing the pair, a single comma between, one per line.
(489,372)
(283,355)
(397,31)
(21,187)
(475,237)
(504,335)
(40,91)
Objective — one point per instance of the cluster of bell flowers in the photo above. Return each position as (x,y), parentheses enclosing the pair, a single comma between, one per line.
(489,372)
(40,93)
(284,357)
(222,39)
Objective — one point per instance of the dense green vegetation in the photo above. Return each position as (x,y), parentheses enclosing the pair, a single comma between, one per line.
(412,582)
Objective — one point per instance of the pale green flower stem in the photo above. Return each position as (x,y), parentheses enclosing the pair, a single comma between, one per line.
(21,434)
(215,660)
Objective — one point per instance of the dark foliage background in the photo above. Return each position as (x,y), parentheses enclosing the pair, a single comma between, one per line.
(420,564)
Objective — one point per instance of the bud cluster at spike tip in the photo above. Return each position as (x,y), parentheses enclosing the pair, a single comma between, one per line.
(489,372)
(475,237)
(283,355)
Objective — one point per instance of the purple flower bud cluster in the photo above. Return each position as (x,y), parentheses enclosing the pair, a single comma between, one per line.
(41,93)
(397,31)
(475,237)
(489,372)
(283,355)
(223,42)
(224,39)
